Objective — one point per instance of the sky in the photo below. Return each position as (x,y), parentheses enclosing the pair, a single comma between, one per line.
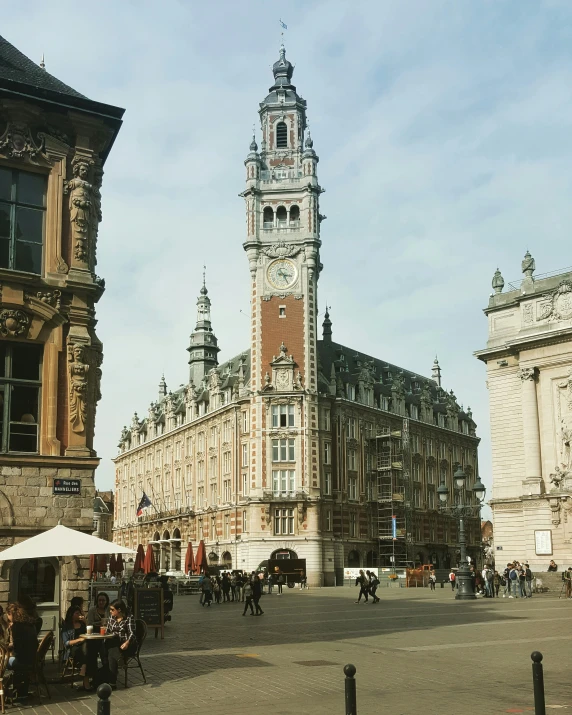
(443,131)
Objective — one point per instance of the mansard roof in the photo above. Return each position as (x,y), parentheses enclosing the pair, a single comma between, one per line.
(351,366)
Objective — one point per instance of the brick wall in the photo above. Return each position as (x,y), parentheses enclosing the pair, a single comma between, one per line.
(274,330)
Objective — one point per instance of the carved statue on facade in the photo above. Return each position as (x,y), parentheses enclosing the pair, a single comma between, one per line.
(78,387)
(528,265)
(85,207)
(566,440)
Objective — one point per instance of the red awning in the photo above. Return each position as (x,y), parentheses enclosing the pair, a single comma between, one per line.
(139,560)
(189,559)
(149,565)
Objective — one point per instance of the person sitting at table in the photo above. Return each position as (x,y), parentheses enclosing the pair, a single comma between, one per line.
(99,612)
(24,646)
(30,608)
(121,625)
(74,627)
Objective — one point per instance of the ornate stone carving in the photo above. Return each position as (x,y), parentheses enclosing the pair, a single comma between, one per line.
(17,142)
(528,313)
(557,306)
(52,298)
(85,207)
(78,371)
(527,373)
(14,323)
(267,297)
(528,265)
(498,282)
(281,249)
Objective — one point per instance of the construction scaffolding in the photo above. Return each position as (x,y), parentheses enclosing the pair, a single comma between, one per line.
(390,495)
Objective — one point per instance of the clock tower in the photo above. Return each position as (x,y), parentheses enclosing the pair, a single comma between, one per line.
(283,249)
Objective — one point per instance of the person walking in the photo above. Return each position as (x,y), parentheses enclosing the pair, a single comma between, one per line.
(225,588)
(270,584)
(280,583)
(452,578)
(248,599)
(207,591)
(528,580)
(373,584)
(506,580)
(256,594)
(496,583)
(522,582)
(233,587)
(513,580)
(432,580)
(216,589)
(362,582)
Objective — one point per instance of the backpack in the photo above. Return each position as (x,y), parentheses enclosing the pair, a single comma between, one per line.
(513,575)
(490,575)
(452,576)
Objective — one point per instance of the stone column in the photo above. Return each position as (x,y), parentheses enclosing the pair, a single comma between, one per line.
(161,559)
(531,431)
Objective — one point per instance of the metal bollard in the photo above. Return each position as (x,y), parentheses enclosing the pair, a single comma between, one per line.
(538,683)
(351,701)
(103,704)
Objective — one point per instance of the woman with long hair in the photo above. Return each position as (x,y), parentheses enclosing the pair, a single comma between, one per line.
(74,645)
(122,626)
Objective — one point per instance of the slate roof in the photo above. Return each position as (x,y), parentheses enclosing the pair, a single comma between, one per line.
(16,67)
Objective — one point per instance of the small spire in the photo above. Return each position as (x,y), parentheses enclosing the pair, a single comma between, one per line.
(162,387)
(327,327)
(253,144)
(43,62)
(498,282)
(204,290)
(436,371)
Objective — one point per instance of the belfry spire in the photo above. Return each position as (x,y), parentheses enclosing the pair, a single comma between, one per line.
(203,349)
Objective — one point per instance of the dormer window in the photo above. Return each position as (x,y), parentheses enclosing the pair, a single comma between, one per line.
(281,136)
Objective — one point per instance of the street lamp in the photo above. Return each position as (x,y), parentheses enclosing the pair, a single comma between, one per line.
(465,587)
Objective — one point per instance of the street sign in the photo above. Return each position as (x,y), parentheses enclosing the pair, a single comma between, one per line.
(67,487)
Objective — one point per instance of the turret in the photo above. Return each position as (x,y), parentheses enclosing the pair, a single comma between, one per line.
(436,371)
(203,349)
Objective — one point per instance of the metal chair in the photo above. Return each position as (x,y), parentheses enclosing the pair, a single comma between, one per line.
(133,661)
(38,678)
(4,657)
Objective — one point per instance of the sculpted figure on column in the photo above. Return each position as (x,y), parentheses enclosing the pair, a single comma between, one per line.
(82,207)
(78,387)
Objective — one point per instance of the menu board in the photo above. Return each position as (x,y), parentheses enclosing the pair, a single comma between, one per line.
(543,543)
(149,608)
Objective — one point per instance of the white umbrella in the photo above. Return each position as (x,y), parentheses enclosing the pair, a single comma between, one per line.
(61,541)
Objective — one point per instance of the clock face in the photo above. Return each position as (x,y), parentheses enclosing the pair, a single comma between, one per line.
(282,273)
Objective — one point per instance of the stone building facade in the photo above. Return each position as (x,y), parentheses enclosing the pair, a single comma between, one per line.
(53,145)
(529,378)
(297,446)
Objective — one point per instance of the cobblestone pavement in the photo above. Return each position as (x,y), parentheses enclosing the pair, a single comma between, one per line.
(415,652)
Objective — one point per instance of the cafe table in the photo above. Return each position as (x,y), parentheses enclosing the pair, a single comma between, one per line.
(97,636)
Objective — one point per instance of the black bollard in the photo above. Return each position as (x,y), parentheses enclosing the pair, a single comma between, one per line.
(538,683)
(351,701)
(103,704)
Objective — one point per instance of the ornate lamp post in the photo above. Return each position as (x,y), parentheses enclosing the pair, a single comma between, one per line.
(465,588)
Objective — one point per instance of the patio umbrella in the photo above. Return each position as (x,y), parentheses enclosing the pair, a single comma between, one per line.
(201,561)
(60,541)
(112,564)
(149,565)
(189,559)
(102,563)
(139,559)
(119,564)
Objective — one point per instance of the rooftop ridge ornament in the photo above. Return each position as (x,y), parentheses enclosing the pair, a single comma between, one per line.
(528,265)
(498,282)
(43,62)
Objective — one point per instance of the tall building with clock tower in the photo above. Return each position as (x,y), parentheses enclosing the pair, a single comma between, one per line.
(297,447)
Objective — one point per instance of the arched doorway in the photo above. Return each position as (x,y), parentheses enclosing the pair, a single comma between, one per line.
(176,550)
(283,554)
(39,579)
(213,558)
(354,559)
(226,560)
(165,552)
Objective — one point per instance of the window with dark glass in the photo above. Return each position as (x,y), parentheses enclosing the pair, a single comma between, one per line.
(281,135)
(22,211)
(20,382)
(37,580)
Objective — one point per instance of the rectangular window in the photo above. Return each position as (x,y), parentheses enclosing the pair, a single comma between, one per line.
(352,462)
(189,447)
(201,471)
(384,403)
(283,450)
(213,467)
(226,431)
(226,490)
(213,529)
(245,422)
(22,217)
(20,383)
(201,446)
(327,483)
(282,415)
(415,443)
(214,436)
(244,455)
(214,495)
(226,526)
(188,475)
(416,472)
(327,452)
(245,484)
(430,474)
(201,497)
(226,462)
(353,524)
(284,521)
(283,481)
(178,479)
(414,412)
(244,522)
(351,428)
(431,499)
(417,497)
(352,488)
(328,520)
(430,447)
(327,420)
(351,391)
(177,451)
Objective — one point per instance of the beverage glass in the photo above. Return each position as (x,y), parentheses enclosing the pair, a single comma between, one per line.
(103,630)
(89,630)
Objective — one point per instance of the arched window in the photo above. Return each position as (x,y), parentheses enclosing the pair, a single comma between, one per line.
(281,215)
(268,217)
(353,559)
(294,214)
(281,135)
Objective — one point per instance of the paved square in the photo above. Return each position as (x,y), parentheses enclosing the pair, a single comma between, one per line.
(415,652)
